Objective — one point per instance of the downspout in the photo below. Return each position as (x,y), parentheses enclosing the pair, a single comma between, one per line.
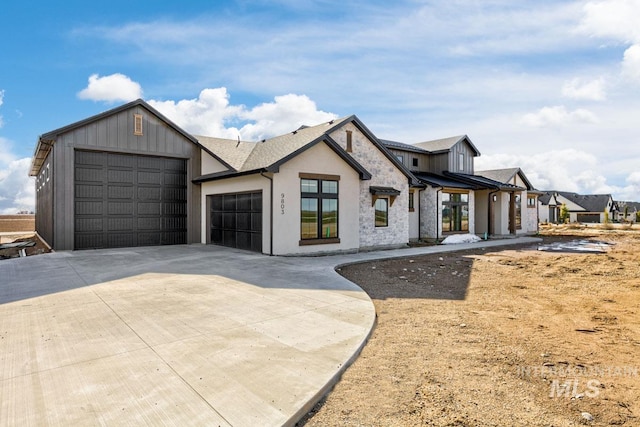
(271,214)
(437,212)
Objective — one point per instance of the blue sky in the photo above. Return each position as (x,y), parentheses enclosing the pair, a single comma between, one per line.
(550,86)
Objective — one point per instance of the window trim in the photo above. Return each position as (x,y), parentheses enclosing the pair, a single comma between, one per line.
(137,125)
(412,194)
(319,197)
(535,201)
(451,204)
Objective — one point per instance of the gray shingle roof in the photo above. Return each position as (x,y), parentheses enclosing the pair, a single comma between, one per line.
(246,156)
(590,202)
(505,175)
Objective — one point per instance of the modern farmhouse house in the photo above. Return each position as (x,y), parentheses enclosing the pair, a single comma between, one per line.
(131,177)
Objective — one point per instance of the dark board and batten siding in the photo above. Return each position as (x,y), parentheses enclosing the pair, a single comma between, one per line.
(44,201)
(115,134)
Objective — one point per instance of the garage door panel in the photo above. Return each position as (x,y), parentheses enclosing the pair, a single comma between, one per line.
(87,191)
(89,224)
(89,240)
(121,240)
(152,223)
(124,176)
(120,224)
(149,193)
(120,192)
(120,200)
(89,208)
(115,161)
(149,208)
(120,208)
(151,163)
(86,175)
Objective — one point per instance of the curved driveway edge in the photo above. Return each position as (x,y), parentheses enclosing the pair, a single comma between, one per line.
(176,335)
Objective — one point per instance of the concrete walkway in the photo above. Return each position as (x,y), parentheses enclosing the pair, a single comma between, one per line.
(178,335)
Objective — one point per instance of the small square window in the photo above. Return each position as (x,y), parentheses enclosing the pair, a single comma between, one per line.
(400,158)
(415,162)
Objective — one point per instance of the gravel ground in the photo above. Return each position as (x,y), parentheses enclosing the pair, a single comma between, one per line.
(507,336)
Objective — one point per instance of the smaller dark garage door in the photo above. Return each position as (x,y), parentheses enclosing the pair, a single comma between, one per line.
(591,218)
(236,220)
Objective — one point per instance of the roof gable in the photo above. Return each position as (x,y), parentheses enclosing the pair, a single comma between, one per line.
(506,176)
(46,141)
(269,154)
(446,144)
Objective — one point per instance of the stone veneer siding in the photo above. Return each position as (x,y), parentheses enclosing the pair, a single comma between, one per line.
(385,174)
(431,219)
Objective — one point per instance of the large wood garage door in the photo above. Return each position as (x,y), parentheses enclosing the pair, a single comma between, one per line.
(236,220)
(125,200)
(592,218)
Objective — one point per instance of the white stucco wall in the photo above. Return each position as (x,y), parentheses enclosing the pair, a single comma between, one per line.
(385,174)
(210,164)
(319,159)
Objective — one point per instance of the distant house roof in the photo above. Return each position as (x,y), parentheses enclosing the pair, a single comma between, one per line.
(46,141)
(505,175)
(446,144)
(632,206)
(545,197)
(590,202)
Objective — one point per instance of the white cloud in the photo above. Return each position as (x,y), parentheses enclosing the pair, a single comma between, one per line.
(211,114)
(112,88)
(631,63)
(615,19)
(577,88)
(558,116)
(286,113)
(17,189)
(565,170)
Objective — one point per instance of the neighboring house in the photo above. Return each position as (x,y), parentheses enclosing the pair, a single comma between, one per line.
(627,211)
(457,199)
(131,177)
(586,208)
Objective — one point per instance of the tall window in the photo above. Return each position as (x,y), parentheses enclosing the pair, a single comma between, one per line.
(382,212)
(411,201)
(455,212)
(461,161)
(319,209)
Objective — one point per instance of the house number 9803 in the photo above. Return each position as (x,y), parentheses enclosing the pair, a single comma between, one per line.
(282,203)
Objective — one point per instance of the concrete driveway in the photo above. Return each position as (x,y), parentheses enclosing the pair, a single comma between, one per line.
(177,335)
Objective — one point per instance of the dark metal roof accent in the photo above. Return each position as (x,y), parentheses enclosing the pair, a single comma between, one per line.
(404,147)
(441,181)
(384,191)
(482,182)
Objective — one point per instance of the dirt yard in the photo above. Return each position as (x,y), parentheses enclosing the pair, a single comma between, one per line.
(507,336)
